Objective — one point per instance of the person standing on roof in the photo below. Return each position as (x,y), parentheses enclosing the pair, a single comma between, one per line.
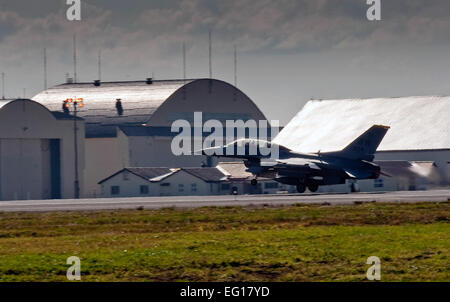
(119,107)
(65,107)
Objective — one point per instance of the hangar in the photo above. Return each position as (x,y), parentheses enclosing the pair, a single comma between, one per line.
(139,133)
(37,155)
(420,128)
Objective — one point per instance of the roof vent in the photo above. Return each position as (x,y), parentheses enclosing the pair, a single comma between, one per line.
(149,81)
(97,83)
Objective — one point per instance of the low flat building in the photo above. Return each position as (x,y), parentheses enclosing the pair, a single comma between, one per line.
(141,182)
(227,178)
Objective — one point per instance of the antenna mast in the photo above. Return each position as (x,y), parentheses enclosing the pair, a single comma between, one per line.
(99,64)
(74,58)
(210,55)
(235,66)
(3,85)
(184,62)
(45,68)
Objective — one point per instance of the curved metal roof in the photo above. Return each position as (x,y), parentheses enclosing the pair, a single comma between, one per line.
(139,101)
(3,102)
(417,123)
(56,114)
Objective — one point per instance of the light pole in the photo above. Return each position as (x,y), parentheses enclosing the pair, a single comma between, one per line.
(76,102)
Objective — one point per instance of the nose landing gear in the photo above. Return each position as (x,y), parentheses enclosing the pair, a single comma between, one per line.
(313,188)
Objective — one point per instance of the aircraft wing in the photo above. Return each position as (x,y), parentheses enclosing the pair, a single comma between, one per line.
(299,162)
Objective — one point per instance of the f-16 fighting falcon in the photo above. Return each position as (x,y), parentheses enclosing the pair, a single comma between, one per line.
(307,170)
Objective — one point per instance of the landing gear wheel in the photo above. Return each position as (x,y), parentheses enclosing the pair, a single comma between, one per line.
(313,188)
(254,182)
(301,188)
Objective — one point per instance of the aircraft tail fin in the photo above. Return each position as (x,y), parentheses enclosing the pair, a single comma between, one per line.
(365,146)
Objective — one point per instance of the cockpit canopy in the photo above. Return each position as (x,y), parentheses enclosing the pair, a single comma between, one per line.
(248,143)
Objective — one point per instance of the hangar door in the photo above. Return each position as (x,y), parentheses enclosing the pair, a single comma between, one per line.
(29,169)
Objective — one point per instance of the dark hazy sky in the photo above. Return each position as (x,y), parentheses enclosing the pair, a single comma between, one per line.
(289,50)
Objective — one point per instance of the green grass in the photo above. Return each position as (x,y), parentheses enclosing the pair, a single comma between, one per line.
(296,243)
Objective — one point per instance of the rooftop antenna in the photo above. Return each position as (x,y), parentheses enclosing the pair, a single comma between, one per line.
(74,58)
(24,93)
(45,68)
(210,54)
(210,62)
(184,62)
(3,85)
(184,70)
(99,64)
(235,74)
(235,66)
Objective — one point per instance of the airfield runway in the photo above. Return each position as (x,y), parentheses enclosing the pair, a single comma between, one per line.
(218,201)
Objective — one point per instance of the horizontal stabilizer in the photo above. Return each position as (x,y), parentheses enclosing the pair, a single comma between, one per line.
(357,174)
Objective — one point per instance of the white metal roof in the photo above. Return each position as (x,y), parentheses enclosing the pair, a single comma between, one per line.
(139,101)
(3,102)
(417,123)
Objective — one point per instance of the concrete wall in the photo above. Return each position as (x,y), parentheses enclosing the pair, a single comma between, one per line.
(25,130)
(383,184)
(152,151)
(104,157)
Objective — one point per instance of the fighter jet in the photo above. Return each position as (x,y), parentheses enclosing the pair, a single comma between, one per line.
(307,170)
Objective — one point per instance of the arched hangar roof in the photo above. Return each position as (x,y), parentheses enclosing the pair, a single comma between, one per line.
(141,100)
(6,104)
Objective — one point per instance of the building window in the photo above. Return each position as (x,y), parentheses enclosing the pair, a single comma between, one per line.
(115,190)
(144,190)
(180,187)
(378,183)
(225,187)
(125,176)
(271,185)
(193,187)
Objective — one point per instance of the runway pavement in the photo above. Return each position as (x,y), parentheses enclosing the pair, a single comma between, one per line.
(219,201)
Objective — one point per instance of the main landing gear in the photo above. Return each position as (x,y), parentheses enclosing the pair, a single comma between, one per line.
(301,188)
(254,182)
